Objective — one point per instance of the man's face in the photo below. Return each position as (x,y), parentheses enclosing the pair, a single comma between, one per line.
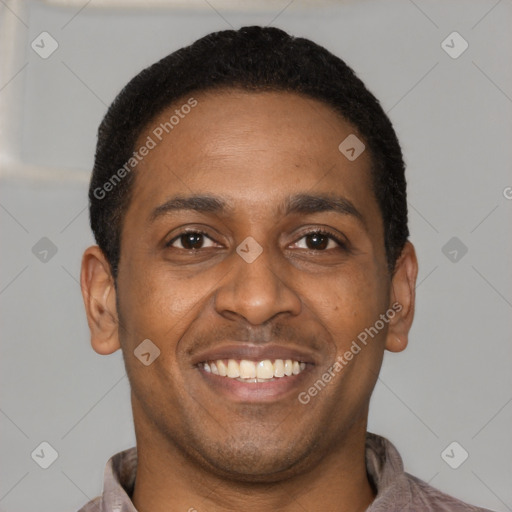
(304,298)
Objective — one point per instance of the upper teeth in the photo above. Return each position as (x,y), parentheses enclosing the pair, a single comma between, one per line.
(246,369)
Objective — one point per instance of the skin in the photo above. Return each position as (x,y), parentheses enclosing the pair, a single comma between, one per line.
(197,449)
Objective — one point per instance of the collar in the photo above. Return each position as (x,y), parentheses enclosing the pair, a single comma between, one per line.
(383,464)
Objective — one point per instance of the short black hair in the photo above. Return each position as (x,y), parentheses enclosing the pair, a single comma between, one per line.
(255,59)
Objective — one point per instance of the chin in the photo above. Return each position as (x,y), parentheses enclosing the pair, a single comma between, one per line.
(257,462)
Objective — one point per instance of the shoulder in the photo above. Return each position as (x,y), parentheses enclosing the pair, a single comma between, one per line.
(400,491)
(92,506)
(429,499)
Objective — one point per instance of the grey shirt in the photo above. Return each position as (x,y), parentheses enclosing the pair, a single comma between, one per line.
(397,491)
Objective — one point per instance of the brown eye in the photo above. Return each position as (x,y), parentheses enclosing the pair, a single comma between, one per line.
(190,240)
(319,240)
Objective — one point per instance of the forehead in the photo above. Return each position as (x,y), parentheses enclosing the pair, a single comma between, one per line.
(254,148)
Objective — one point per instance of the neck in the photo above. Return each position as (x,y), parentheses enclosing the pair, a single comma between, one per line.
(169,480)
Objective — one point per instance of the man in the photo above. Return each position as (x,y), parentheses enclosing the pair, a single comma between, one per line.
(248,199)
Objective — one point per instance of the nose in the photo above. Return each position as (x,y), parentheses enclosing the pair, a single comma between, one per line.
(257,290)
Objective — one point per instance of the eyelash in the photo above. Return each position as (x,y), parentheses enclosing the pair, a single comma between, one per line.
(319,231)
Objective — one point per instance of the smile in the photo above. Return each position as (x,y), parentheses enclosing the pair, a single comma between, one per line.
(254,371)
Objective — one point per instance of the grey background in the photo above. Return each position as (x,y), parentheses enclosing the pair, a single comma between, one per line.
(453,117)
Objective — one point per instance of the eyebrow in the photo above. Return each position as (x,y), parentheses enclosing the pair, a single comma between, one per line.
(299,203)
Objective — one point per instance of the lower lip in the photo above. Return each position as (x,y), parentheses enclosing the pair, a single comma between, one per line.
(277,389)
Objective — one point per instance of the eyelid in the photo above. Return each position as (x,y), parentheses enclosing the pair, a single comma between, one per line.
(186,231)
(341,241)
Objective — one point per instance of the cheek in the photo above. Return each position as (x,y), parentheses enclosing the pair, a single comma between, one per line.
(354,301)
(156,308)
(160,305)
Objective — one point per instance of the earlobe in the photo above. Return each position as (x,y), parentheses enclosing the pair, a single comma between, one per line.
(402,298)
(99,294)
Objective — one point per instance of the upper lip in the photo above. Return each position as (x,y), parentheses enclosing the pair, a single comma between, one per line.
(255,353)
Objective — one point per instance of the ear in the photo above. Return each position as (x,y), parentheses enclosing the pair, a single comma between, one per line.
(402,299)
(99,296)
